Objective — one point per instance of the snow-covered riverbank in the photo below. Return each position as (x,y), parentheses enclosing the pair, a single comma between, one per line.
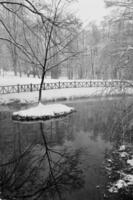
(62,94)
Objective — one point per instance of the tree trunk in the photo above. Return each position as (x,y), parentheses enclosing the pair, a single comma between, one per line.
(15,65)
(41,85)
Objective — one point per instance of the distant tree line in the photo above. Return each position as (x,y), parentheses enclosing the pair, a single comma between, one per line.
(60,42)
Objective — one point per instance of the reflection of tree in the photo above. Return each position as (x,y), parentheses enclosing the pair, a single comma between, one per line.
(112,120)
(119,122)
(59,130)
(40,172)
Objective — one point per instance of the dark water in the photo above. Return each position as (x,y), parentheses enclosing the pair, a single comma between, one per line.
(72,168)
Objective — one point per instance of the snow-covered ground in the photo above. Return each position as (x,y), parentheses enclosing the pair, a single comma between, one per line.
(10,79)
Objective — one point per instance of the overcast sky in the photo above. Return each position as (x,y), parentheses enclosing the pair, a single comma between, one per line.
(90,9)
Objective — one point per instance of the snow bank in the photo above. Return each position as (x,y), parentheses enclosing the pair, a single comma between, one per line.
(42,112)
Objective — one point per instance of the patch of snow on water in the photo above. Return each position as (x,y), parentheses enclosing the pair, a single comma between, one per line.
(44,110)
(129,179)
(125,181)
(118,185)
(130,162)
(123,154)
(122,148)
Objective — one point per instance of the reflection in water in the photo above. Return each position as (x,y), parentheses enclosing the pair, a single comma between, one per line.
(40,171)
(52,159)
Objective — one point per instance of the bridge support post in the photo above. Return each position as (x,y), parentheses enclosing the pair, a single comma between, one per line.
(59,85)
(31,87)
(18,89)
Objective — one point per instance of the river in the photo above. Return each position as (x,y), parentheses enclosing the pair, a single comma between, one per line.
(61,159)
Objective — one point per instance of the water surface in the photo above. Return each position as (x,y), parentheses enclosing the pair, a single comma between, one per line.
(77,148)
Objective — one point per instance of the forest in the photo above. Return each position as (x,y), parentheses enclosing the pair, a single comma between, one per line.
(42,36)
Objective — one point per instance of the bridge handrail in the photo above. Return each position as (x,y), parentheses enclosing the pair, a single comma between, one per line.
(8,89)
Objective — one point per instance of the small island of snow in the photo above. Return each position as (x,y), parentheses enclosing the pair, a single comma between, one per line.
(42,112)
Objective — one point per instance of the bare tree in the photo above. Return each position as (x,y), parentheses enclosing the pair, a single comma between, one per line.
(120,44)
(47,33)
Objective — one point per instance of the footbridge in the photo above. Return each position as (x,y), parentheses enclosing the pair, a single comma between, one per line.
(8,89)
